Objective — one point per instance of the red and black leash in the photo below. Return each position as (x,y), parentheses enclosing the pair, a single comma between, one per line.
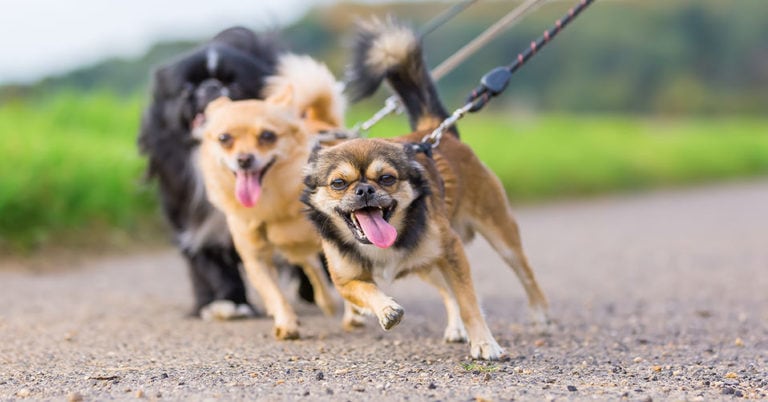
(495,81)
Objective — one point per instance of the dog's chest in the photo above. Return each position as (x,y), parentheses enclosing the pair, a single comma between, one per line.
(390,264)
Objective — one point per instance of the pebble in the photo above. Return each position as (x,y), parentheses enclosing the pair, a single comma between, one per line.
(572,388)
(432,385)
(23,393)
(139,394)
(320,376)
(74,397)
(728,391)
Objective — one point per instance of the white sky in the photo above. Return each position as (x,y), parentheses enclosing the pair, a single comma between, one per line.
(42,37)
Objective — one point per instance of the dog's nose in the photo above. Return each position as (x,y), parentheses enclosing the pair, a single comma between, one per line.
(245,161)
(364,189)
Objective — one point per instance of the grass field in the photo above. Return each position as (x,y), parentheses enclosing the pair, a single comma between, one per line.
(69,167)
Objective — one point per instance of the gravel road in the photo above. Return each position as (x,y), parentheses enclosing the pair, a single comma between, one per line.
(660,296)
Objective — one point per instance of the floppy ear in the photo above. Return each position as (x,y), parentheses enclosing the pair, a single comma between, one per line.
(217,104)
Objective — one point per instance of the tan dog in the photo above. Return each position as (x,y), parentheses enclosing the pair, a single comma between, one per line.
(251,157)
(385,209)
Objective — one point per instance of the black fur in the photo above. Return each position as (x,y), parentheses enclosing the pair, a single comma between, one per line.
(409,77)
(234,64)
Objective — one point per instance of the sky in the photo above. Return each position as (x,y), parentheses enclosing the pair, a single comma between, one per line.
(44,37)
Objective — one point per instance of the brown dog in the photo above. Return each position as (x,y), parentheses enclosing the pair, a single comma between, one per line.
(251,157)
(386,209)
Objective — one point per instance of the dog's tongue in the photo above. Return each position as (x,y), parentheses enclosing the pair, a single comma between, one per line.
(247,188)
(376,229)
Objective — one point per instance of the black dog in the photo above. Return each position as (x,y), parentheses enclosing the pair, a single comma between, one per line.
(233,64)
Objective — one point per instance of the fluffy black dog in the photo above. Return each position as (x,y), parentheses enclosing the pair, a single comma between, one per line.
(233,64)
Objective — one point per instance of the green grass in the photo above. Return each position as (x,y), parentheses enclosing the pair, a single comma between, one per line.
(69,167)
(70,164)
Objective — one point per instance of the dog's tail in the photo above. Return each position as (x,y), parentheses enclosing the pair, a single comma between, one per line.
(312,89)
(387,50)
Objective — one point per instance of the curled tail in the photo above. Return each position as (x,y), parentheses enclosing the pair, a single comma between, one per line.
(387,50)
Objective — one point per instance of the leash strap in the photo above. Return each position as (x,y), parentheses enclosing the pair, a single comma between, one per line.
(496,80)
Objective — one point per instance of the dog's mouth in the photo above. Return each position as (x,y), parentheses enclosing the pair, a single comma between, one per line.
(248,184)
(370,225)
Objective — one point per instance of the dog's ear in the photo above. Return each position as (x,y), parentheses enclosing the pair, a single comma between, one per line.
(283,96)
(310,178)
(217,104)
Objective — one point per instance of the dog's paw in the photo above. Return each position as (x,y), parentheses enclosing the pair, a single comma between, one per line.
(486,350)
(286,333)
(455,334)
(390,316)
(223,310)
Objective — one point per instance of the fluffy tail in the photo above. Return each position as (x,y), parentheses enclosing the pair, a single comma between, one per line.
(387,50)
(312,89)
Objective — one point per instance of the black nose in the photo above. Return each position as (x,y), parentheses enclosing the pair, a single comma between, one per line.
(364,189)
(245,161)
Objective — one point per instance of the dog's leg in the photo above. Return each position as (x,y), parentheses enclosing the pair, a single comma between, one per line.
(353,318)
(454,330)
(261,274)
(313,268)
(455,268)
(216,268)
(502,232)
(365,294)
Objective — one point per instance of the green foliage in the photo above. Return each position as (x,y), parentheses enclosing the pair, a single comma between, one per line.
(68,163)
(650,56)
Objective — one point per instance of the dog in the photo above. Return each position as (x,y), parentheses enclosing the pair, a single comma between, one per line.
(252,157)
(234,63)
(389,208)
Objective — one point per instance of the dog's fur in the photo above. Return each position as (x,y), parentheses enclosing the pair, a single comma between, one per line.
(252,156)
(234,63)
(361,191)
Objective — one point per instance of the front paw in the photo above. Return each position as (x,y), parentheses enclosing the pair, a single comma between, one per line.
(353,318)
(390,316)
(486,350)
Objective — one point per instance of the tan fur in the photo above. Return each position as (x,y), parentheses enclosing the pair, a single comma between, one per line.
(276,224)
(466,197)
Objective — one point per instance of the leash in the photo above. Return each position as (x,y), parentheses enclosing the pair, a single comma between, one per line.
(392,104)
(495,81)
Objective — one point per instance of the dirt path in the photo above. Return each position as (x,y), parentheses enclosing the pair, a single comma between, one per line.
(660,296)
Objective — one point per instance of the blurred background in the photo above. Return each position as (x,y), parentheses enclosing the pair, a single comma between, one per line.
(635,95)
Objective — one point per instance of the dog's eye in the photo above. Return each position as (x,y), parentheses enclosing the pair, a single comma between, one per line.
(267,137)
(225,140)
(338,184)
(387,180)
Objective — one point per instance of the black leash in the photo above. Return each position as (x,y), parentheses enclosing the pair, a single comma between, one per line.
(495,81)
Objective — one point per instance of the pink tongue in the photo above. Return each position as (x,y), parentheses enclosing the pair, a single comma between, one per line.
(376,229)
(247,188)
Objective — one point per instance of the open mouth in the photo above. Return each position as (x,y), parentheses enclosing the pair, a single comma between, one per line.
(248,184)
(370,225)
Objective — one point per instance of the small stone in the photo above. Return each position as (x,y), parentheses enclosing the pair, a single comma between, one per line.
(539,343)
(329,391)
(139,394)
(637,359)
(23,393)
(432,385)
(572,388)
(738,393)
(728,391)
(738,342)
(731,375)
(74,397)
(320,376)
(487,377)
(278,382)
(306,393)
(656,368)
